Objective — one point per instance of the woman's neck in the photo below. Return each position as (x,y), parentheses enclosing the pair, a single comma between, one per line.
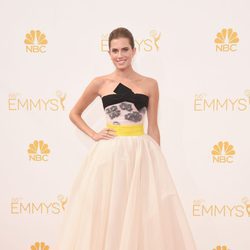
(126,74)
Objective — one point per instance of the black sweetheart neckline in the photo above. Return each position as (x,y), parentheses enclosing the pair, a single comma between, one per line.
(125,87)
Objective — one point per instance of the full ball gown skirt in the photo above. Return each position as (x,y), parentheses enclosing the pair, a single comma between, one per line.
(123,197)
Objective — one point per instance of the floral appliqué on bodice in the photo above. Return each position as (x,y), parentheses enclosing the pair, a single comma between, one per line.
(125,107)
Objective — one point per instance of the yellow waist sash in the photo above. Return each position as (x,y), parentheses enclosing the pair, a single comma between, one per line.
(127,129)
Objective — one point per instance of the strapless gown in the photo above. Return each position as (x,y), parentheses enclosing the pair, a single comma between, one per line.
(123,197)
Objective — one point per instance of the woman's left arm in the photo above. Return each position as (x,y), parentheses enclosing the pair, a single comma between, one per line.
(152,111)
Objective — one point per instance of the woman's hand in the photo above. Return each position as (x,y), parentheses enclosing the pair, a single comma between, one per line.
(106,133)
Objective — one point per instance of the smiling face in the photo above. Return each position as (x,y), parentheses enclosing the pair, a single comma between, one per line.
(121,52)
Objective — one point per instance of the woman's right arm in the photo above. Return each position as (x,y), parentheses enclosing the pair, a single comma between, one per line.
(88,96)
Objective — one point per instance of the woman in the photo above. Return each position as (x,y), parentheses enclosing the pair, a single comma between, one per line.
(123,197)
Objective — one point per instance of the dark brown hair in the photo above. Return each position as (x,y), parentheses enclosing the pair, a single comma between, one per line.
(122,32)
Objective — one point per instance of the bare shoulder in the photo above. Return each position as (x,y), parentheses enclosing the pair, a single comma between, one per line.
(96,83)
(105,84)
(103,78)
(152,82)
(151,85)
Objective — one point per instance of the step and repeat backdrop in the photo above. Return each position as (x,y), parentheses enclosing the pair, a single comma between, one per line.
(199,53)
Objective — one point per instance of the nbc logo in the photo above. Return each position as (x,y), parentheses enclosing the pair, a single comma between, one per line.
(221,248)
(35,42)
(223,152)
(39,246)
(43,149)
(226,40)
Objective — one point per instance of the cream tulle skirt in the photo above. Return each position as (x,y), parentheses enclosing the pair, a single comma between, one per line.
(124,198)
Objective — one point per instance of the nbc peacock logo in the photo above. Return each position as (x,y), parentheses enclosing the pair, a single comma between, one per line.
(39,246)
(147,44)
(38,151)
(226,40)
(221,247)
(35,42)
(223,152)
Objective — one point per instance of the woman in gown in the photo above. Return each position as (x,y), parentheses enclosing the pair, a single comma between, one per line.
(123,197)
